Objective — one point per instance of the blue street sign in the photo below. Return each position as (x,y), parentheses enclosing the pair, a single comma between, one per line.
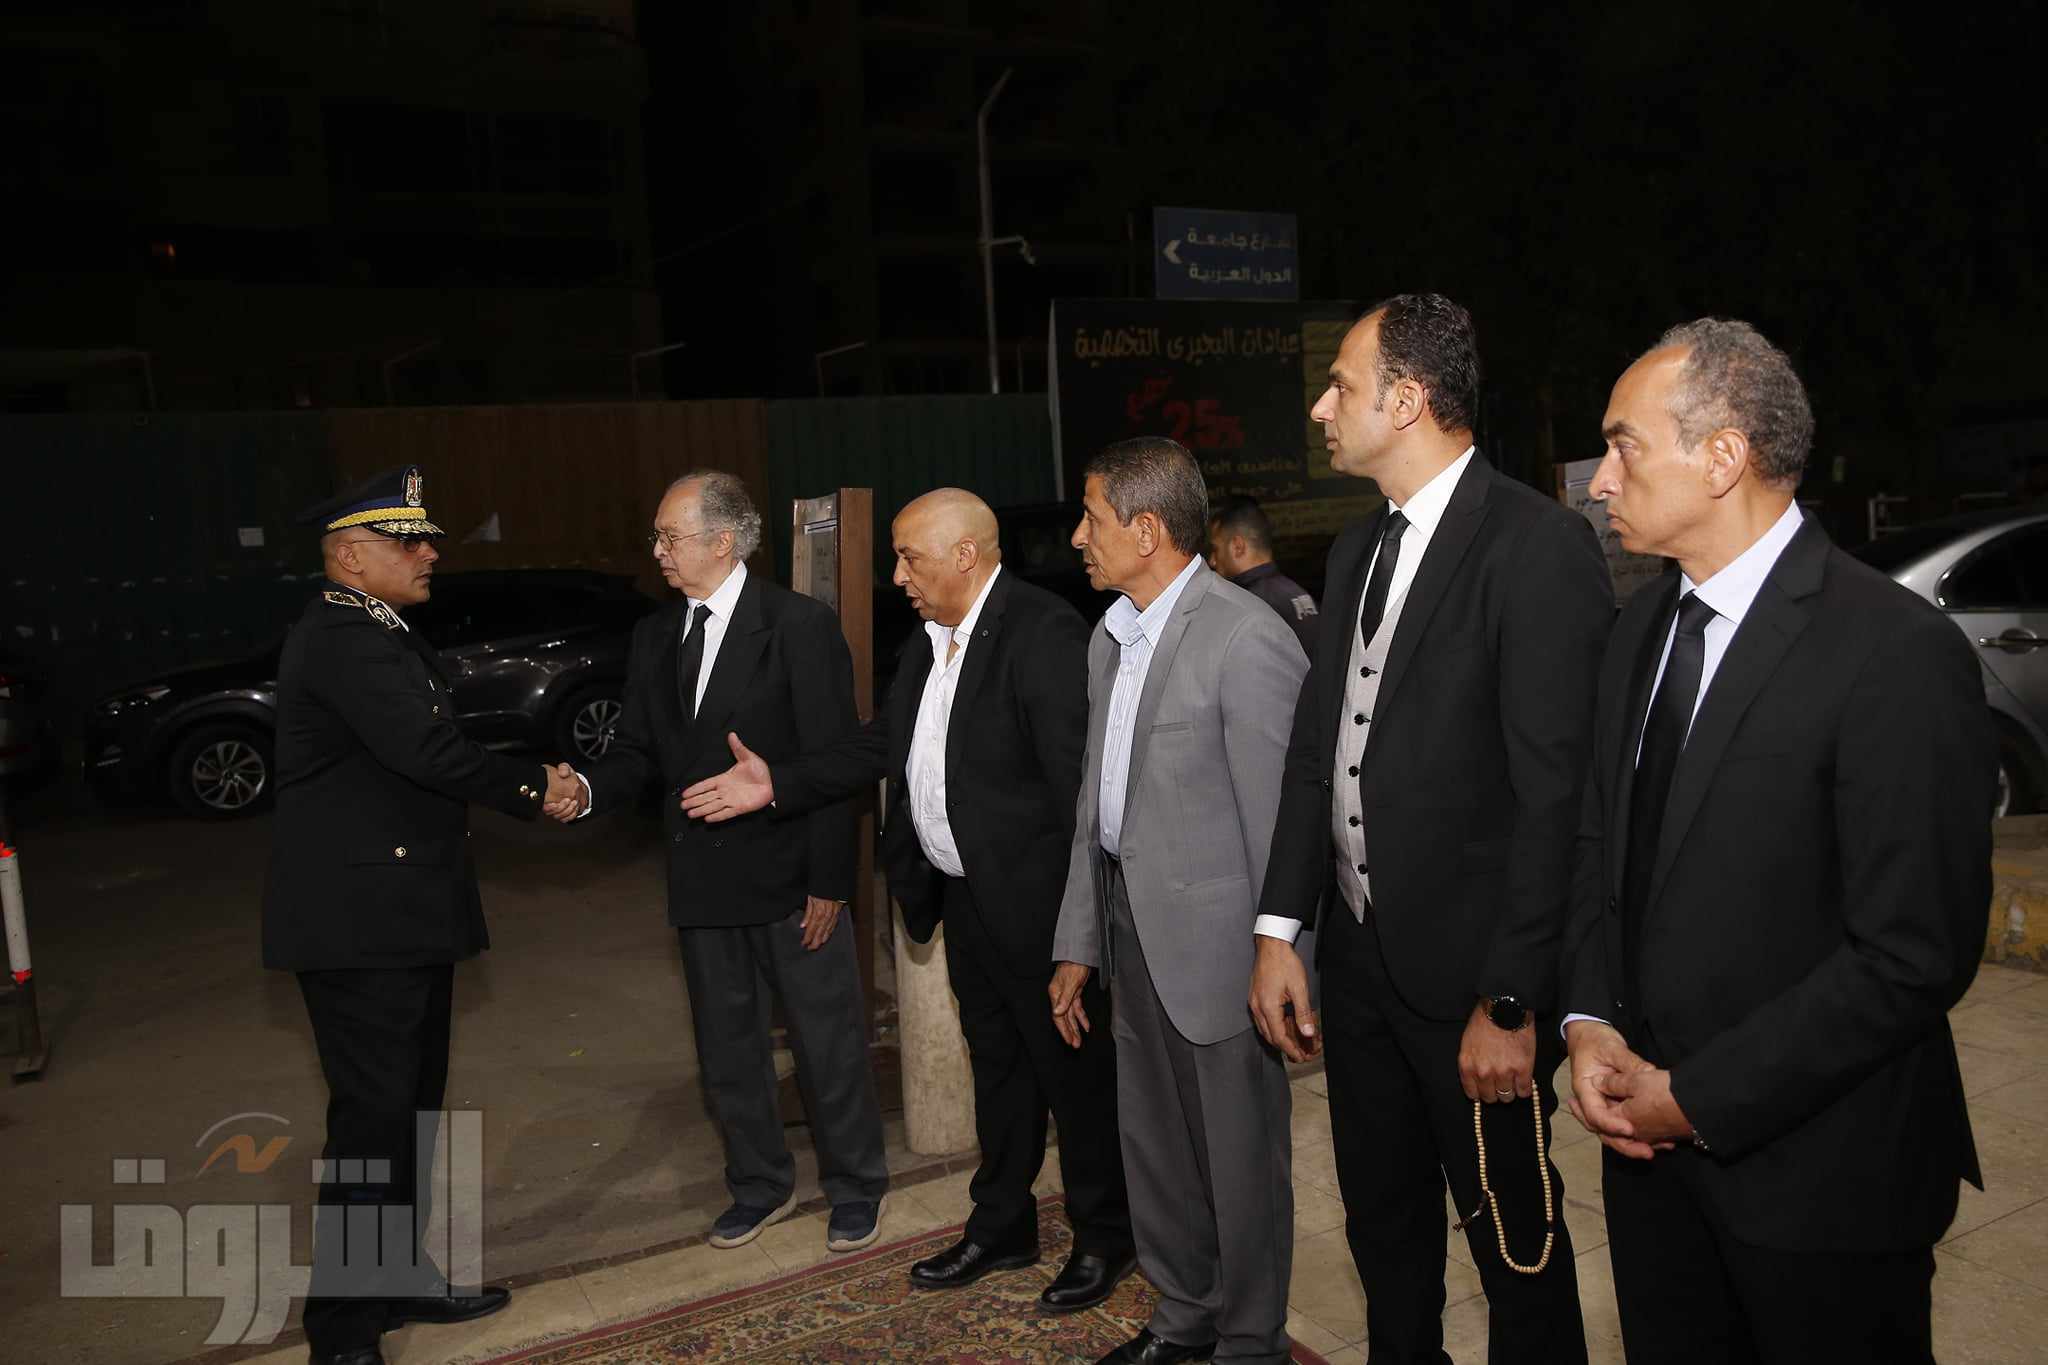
(1224,254)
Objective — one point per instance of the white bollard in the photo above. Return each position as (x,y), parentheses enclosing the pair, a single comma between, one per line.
(34,1051)
(938,1088)
(16,914)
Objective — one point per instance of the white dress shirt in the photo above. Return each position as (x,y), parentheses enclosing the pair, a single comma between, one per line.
(928,738)
(1136,632)
(724,598)
(1424,511)
(1729,593)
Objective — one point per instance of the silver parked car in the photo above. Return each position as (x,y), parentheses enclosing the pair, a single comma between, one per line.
(1989,572)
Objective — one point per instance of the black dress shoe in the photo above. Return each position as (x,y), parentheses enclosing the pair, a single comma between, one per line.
(369,1355)
(1146,1349)
(444,1308)
(965,1262)
(1087,1280)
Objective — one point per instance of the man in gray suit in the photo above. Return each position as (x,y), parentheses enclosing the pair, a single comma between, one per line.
(1191,686)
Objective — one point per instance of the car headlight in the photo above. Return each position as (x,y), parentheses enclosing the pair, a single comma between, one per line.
(132,698)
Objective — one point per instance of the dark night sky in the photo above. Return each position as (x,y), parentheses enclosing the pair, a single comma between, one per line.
(1867,192)
(1864,184)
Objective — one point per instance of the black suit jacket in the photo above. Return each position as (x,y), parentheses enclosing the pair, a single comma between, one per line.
(783,680)
(1013,767)
(369,862)
(1473,767)
(1819,900)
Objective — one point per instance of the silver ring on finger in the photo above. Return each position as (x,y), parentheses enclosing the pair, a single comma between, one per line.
(1504,1094)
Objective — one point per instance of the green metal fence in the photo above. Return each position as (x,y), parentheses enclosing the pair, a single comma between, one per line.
(997,447)
(131,544)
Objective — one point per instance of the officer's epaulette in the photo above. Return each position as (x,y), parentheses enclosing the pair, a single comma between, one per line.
(379,613)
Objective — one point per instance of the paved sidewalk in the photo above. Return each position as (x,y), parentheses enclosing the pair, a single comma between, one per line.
(573,1039)
(1990,1290)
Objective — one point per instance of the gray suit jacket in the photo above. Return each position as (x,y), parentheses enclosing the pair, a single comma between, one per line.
(1209,744)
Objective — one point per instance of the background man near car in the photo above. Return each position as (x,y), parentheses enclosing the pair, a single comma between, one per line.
(372,898)
(981,736)
(1783,869)
(1190,683)
(1431,799)
(1241,549)
(755,903)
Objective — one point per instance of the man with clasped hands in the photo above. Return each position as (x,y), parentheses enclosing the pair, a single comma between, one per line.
(1783,870)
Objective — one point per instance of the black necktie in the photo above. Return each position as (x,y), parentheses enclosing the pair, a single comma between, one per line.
(1664,731)
(690,660)
(1375,605)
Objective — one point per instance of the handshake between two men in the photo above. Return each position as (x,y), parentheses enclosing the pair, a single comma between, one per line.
(741,790)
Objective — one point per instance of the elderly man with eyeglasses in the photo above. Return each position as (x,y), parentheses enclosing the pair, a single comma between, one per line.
(756,904)
(372,899)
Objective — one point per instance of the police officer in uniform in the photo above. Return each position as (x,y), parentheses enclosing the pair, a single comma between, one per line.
(372,899)
(1241,549)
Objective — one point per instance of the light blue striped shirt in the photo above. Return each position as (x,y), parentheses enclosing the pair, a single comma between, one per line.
(1137,632)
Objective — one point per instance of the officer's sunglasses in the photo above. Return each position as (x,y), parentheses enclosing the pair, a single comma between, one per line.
(408,544)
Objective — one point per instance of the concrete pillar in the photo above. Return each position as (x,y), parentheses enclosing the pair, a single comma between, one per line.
(938,1088)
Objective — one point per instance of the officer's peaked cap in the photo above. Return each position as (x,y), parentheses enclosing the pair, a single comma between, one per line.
(390,503)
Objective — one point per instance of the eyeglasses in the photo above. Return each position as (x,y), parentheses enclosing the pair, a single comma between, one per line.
(407,544)
(669,539)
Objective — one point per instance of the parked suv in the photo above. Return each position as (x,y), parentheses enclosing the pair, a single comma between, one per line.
(538,658)
(1989,572)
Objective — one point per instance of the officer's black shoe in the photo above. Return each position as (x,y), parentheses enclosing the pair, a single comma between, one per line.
(1087,1280)
(1146,1349)
(444,1308)
(965,1262)
(369,1355)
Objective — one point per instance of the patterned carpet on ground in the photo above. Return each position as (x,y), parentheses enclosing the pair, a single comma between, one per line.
(861,1308)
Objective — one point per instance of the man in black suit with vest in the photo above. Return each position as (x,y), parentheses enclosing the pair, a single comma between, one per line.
(1431,796)
(982,735)
(760,900)
(371,899)
(1781,890)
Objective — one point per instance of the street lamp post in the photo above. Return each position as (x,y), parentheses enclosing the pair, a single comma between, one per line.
(818,360)
(989,241)
(633,364)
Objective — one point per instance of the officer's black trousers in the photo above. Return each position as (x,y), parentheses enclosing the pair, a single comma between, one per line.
(382,1033)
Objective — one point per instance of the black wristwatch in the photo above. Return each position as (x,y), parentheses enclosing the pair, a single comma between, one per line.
(1506,1013)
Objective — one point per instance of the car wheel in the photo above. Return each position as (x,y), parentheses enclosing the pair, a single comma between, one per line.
(2016,790)
(587,723)
(223,772)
